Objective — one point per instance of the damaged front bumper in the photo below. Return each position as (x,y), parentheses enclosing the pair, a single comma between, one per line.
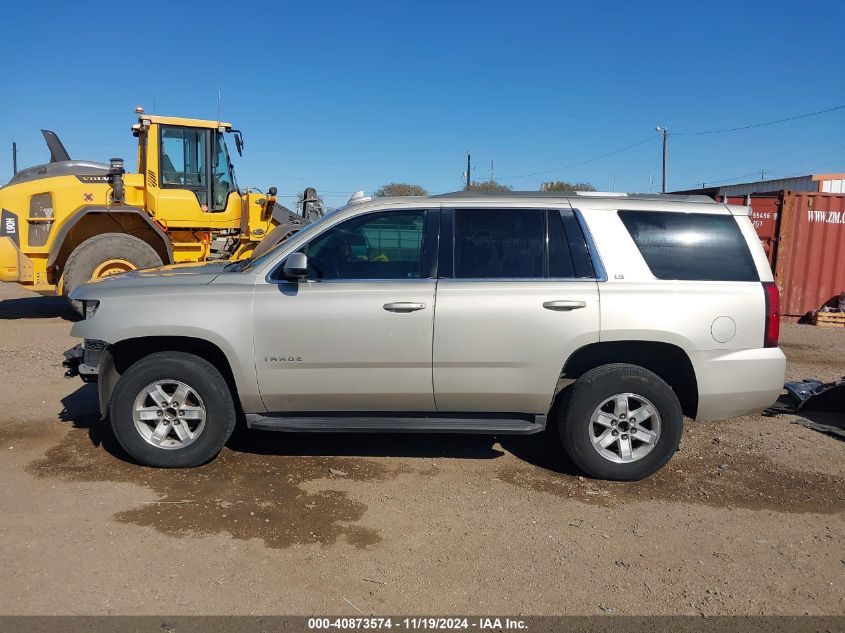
(92,361)
(83,360)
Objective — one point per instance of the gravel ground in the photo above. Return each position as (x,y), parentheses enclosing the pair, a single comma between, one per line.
(746,519)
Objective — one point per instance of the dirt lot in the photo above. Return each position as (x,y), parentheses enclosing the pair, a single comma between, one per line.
(748,518)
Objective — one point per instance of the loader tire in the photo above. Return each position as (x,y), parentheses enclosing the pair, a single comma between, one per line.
(103,255)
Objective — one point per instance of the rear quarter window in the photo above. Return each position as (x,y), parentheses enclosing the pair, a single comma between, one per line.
(691,246)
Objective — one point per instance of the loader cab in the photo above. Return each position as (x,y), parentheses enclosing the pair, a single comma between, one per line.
(187,168)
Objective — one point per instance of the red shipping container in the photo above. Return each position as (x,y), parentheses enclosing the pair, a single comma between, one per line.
(803,234)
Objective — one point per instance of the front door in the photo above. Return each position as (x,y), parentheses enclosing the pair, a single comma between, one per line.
(357,334)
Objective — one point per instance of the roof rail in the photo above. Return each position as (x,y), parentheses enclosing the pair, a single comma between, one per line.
(579,194)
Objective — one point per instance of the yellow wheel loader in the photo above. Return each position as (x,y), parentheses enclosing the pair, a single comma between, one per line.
(70,221)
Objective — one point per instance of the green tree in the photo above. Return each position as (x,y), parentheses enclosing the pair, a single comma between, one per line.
(487,185)
(399,189)
(561,185)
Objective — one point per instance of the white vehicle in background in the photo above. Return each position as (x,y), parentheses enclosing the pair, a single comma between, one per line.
(613,315)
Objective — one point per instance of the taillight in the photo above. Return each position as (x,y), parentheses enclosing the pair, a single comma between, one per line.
(770,339)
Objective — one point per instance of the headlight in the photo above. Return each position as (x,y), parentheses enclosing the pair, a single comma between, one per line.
(89,308)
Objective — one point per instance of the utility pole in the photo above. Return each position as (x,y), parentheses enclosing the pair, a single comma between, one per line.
(665,132)
(468,168)
(491,171)
(14,158)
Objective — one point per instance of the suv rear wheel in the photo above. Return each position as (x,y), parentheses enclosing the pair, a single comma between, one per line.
(621,422)
(172,409)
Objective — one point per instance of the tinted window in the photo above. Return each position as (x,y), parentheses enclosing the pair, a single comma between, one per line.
(499,243)
(578,250)
(560,261)
(692,246)
(375,246)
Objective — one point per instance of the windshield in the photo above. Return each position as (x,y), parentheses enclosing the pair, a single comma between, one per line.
(252,264)
(223,175)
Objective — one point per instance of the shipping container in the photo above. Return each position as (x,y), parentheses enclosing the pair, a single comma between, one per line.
(803,234)
(765,211)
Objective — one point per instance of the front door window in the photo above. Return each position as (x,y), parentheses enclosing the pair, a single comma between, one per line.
(375,246)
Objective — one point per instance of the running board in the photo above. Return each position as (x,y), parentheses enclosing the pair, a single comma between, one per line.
(379,424)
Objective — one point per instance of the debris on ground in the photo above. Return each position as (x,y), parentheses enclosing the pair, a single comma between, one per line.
(821,405)
(810,394)
(825,422)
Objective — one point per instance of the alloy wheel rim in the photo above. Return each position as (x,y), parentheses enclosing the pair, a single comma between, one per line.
(169,414)
(624,428)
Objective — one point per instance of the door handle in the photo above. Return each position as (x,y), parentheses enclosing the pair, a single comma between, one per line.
(404,306)
(564,306)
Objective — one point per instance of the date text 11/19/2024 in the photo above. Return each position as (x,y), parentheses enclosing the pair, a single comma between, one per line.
(418,623)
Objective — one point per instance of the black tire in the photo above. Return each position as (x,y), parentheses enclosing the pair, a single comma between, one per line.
(204,379)
(590,391)
(85,258)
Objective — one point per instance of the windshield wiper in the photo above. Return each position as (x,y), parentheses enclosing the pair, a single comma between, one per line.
(238,266)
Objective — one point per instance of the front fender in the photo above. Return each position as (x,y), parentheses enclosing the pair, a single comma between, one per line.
(223,319)
(65,228)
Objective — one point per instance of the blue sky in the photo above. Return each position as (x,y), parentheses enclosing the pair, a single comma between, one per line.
(345,95)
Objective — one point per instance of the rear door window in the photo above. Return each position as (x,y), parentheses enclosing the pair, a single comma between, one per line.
(691,246)
(518,244)
(560,260)
(499,243)
(568,252)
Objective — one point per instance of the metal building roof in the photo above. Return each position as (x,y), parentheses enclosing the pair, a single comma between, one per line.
(825,183)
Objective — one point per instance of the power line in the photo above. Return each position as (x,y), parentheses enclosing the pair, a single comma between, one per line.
(773,169)
(583,162)
(806,160)
(748,127)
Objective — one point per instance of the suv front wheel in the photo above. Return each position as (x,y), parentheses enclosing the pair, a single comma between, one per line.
(172,410)
(621,422)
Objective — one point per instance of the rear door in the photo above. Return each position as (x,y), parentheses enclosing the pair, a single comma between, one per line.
(517,293)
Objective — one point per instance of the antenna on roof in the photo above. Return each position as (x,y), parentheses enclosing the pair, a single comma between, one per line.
(357,197)
(218,99)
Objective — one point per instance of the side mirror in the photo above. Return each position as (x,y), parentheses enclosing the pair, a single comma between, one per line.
(239,141)
(296,266)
